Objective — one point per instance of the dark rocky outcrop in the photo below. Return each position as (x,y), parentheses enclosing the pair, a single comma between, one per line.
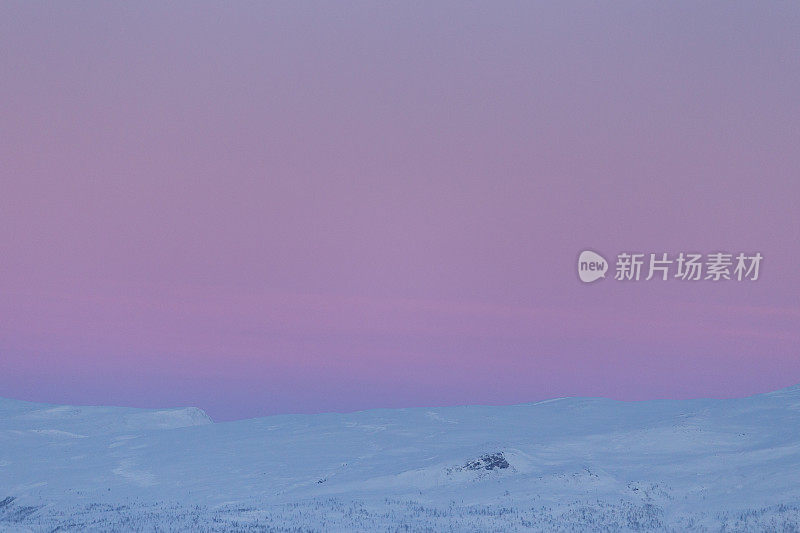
(489,461)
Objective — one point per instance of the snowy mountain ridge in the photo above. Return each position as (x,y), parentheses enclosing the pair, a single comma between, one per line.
(564,464)
(19,415)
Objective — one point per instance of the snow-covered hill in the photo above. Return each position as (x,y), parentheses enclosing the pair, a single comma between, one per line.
(566,464)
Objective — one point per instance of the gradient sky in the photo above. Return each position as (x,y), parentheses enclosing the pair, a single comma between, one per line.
(260,208)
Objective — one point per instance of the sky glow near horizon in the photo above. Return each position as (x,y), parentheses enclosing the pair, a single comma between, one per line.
(293,207)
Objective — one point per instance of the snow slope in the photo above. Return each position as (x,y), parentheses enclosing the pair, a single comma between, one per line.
(567,464)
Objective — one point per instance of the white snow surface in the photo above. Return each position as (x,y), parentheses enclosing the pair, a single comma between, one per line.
(571,464)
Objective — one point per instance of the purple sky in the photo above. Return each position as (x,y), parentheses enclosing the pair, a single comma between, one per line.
(288,207)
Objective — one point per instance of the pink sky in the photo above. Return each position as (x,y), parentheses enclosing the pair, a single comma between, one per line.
(276,208)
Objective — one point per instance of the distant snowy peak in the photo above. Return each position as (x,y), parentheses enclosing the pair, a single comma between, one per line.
(167,419)
(88,420)
(793,390)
